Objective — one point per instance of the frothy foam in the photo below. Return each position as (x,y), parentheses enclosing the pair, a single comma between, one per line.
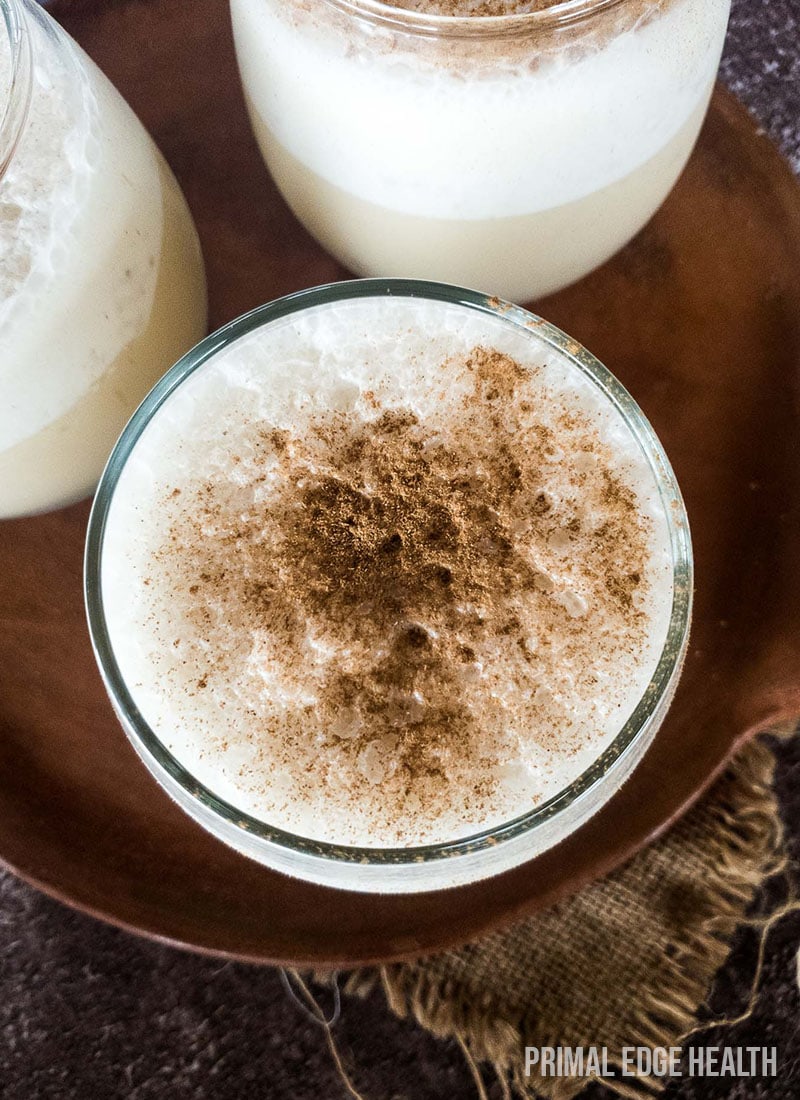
(386,572)
(465,130)
(67,212)
(38,200)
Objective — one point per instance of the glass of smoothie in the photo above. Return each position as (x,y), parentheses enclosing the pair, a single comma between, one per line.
(101,278)
(389,584)
(490,143)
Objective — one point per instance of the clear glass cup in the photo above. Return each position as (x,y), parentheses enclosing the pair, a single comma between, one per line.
(512,152)
(102,284)
(378,869)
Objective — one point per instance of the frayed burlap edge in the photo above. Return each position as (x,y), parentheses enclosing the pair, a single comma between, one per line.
(748,846)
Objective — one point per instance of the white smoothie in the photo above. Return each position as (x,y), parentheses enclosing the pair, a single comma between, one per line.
(101,278)
(387,572)
(515,163)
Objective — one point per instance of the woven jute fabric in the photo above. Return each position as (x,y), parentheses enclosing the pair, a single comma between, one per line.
(626,962)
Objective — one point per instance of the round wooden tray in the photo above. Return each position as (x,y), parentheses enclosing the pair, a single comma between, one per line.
(698,317)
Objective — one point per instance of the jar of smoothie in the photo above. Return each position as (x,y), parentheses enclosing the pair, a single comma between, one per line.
(507,144)
(102,285)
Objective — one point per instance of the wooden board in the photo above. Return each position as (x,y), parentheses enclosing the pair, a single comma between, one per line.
(699,317)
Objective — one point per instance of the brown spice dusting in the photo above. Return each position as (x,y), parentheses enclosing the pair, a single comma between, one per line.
(409,554)
(473,8)
(525,44)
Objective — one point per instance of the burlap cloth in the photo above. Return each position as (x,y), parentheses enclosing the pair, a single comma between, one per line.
(628,961)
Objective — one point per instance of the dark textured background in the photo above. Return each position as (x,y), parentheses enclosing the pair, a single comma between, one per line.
(87,1011)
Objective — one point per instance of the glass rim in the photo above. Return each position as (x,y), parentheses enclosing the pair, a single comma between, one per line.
(14,111)
(558,14)
(147,742)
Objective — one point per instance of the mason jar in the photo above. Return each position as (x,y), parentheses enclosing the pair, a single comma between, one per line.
(513,152)
(102,284)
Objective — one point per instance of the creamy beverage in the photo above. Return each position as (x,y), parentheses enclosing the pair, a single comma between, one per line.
(488,145)
(387,571)
(101,278)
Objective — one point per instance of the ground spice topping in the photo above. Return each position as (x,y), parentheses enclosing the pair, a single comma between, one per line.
(385,603)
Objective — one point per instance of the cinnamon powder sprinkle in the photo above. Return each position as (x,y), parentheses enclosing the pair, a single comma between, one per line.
(386,571)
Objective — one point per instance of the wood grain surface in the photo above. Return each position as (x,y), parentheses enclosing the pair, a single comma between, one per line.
(697,317)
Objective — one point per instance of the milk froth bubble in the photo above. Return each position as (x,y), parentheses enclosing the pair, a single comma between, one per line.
(386,571)
(101,279)
(515,153)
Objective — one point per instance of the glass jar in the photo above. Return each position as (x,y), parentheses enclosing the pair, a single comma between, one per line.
(198,708)
(509,152)
(102,285)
